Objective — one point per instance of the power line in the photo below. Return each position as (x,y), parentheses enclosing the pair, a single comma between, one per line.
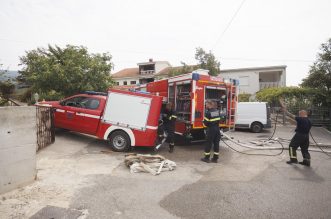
(229,24)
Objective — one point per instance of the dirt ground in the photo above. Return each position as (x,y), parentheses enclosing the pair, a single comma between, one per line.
(81,173)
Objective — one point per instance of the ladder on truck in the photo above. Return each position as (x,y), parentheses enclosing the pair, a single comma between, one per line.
(233,104)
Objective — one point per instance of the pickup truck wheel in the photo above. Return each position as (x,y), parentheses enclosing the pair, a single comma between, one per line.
(256,127)
(119,141)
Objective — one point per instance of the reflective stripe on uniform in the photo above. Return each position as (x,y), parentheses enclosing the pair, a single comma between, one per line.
(216,153)
(172,116)
(212,120)
(291,153)
(207,153)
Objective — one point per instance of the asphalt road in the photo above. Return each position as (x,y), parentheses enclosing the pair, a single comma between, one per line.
(240,186)
(80,173)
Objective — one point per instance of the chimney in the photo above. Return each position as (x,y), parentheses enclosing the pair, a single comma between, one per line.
(150,60)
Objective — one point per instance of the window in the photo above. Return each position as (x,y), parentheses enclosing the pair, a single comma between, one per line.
(82,102)
(117,83)
(90,103)
(125,83)
(74,102)
(132,82)
(243,80)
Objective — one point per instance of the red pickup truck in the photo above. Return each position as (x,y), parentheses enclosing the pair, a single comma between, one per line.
(124,118)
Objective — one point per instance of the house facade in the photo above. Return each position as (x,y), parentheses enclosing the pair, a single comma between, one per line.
(251,80)
(144,73)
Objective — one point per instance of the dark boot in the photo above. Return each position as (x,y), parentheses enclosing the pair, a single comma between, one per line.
(305,162)
(171,147)
(292,160)
(206,158)
(214,159)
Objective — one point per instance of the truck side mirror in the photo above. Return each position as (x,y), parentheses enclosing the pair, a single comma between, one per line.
(62,103)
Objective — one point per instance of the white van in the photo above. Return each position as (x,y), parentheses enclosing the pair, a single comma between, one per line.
(253,115)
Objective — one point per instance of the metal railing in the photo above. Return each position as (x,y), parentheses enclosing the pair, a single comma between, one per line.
(146,72)
(270,84)
(45,126)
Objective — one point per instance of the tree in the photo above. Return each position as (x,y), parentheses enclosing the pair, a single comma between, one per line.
(244,97)
(320,72)
(182,69)
(6,87)
(207,61)
(65,71)
(293,96)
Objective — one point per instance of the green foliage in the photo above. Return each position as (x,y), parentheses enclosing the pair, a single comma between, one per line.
(293,96)
(51,95)
(207,61)
(65,71)
(6,88)
(320,73)
(26,96)
(244,97)
(182,70)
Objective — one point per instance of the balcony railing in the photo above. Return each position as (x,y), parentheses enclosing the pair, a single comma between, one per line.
(270,84)
(146,72)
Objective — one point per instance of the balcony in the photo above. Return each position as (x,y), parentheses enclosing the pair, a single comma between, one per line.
(270,84)
(146,72)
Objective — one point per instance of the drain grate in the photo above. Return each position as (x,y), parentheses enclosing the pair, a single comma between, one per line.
(52,212)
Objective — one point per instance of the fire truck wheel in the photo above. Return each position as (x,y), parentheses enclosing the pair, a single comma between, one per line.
(119,141)
(256,127)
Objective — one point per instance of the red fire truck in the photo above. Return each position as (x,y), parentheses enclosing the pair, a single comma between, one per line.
(189,92)
(124,118)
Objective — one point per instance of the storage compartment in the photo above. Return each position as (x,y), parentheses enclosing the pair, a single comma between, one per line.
(219,96)
(119,110)
(183,101)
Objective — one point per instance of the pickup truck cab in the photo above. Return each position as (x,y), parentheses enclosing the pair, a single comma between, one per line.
(80,113)
(110,116)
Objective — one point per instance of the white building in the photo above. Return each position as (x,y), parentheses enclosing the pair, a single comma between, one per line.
(251,80)
(146,72)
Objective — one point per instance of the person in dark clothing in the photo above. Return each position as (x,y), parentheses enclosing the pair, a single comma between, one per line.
(300,139)
(169,121)
(211,121)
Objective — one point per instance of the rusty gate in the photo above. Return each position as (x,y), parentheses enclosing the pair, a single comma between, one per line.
(45,126)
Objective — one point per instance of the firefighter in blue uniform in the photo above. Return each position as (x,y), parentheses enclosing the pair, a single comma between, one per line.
(169,120)
(300,139)
(211,121)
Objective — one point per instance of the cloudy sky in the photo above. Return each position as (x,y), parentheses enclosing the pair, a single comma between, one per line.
(247,33)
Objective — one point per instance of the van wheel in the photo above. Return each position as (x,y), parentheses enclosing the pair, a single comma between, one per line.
(119,141)
(256,127)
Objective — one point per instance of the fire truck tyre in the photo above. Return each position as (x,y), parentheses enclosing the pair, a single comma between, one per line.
(119,141)
(256,127)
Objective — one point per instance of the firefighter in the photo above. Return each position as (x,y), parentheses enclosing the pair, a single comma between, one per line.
(169,119)
(211,121)
(300,139)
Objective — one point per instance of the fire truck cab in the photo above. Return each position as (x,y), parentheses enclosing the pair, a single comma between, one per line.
(189,93)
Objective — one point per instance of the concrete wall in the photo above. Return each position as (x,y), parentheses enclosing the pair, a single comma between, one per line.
(128,80)
(18,143)
(252,78)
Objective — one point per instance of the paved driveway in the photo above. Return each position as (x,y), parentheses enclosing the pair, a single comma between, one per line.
(79,173)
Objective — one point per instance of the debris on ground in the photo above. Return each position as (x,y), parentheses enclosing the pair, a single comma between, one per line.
(153,164)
